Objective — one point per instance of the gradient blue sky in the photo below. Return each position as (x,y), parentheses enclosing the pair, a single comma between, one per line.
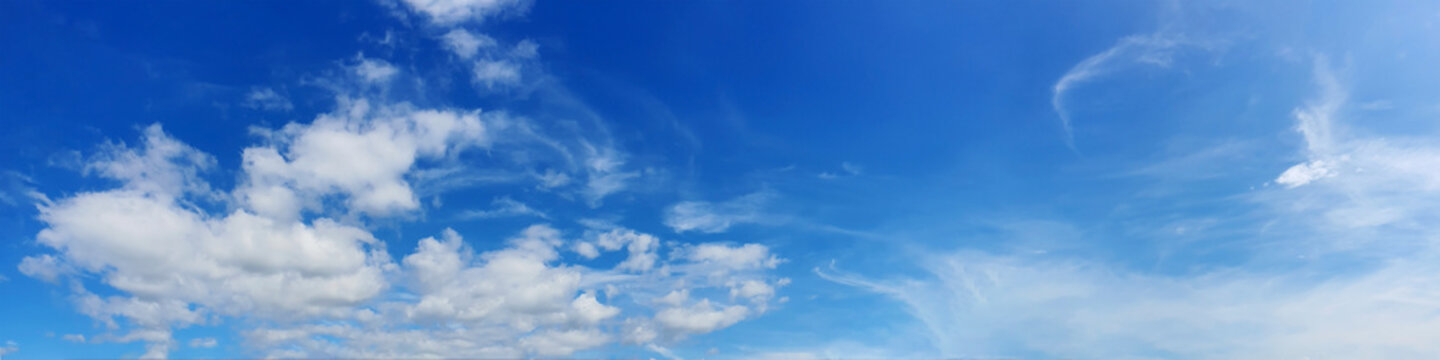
(720,179)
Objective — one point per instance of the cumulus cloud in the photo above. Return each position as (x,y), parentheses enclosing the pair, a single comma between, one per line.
(312,281)
(708,217)
(287,256)
(360,152)
(702,317)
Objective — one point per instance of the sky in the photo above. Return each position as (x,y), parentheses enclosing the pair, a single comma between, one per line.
(720,179)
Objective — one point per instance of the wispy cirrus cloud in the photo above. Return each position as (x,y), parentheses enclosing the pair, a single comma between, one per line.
(711,217)
(1340,265)
(1155,50)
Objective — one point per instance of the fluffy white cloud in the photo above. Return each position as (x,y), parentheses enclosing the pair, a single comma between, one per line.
(710,217)
(640,246)
(287,255)
(748,256)
(700,318)
(358,151)
(519,300)
(450,12)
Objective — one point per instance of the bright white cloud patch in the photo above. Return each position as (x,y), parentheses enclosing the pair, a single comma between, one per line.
(359,152)
(1302,174)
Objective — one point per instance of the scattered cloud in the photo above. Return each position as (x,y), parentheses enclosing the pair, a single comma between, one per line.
(175,265)
(1358,289)
(708,217)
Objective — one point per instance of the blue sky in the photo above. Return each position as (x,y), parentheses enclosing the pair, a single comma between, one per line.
(719,180)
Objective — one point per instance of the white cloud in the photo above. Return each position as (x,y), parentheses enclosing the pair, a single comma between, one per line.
(374,70)
(641,248)
(748,256)
(504,206)
(287,256)
(700,318)
(160,167)
(466,44)
(496,73)
(986,305)
(1370,181)
(267,99)
(1362,287)
(710,217)
(44,267)
(203,342)
(77,338)
(1155,50)
(357,151)
(1304,173)
(604,170)
(450,12)
(511,301)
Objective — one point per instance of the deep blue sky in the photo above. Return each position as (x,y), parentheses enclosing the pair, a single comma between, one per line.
(1118,179)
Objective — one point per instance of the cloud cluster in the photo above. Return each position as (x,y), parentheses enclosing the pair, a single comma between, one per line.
(177,263)
(288,255)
